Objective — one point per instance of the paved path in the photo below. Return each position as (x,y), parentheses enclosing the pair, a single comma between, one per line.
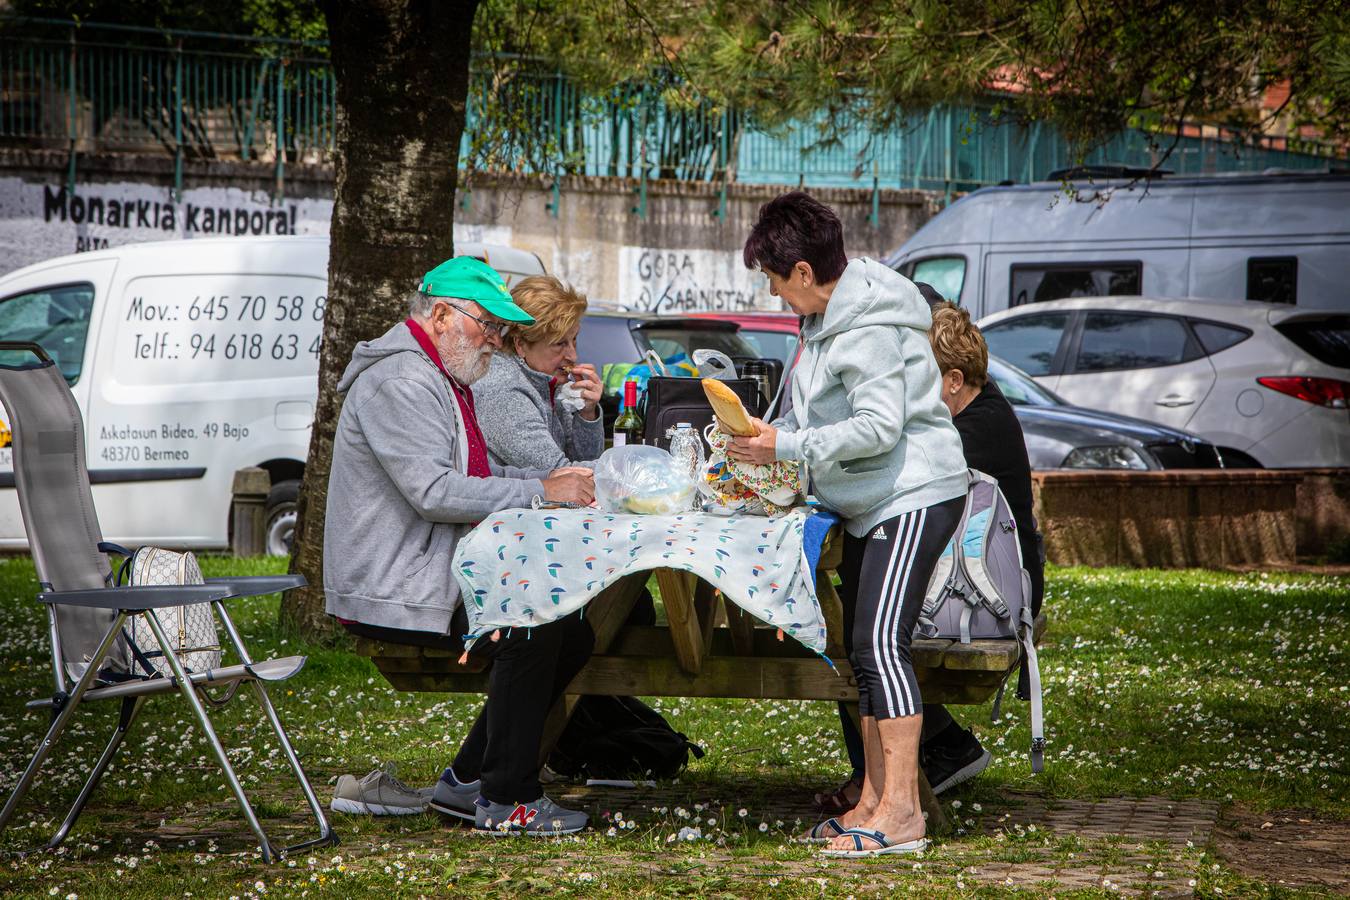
(1145,847)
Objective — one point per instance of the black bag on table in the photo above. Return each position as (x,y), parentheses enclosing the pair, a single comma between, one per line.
(672,400)
(620,737)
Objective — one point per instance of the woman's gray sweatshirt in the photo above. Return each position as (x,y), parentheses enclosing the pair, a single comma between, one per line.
(524,428)
(867,417)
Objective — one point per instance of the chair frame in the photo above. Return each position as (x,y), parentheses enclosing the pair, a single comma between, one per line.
(128,601)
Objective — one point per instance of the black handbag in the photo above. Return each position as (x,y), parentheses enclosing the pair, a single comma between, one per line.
(671,401)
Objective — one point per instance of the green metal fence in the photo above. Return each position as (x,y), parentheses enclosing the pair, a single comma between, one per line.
(87,88)
(203,96)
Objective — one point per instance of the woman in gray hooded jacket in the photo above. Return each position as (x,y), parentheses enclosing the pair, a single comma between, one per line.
(877,446)
(539,407)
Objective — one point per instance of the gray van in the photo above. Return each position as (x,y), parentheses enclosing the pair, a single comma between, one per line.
(1283,238)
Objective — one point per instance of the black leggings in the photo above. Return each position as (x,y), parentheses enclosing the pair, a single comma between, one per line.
(884,576)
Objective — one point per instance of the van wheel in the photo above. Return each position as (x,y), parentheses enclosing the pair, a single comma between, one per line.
(279,531)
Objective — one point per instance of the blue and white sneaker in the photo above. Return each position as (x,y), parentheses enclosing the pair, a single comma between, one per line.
(540,818)
(454,797)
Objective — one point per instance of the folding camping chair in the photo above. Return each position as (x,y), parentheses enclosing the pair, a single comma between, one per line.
(86,612)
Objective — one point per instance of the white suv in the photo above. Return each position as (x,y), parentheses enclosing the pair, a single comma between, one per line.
(1266,382)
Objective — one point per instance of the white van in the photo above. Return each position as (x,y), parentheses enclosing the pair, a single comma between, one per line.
(1282,238)
(189,360)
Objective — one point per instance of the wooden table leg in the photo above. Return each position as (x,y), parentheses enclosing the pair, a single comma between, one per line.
(610,609)
(832,609)
(677,595)
(706,605)
(556,724)
(607,614)
(932,807)
(742,627)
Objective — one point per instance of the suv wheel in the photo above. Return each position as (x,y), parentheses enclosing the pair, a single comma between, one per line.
(279,531)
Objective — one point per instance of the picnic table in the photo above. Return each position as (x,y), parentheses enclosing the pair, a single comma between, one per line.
(712,648)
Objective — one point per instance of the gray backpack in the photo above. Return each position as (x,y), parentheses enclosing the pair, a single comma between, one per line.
(979,590)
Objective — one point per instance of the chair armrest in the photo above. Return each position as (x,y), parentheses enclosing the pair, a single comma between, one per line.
(257,585)
(138,597)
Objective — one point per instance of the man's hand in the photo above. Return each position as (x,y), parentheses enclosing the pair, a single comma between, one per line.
(759,449)
(588,382)
(570,484)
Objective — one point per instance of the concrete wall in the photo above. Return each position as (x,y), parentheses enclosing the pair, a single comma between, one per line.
(681,254)
(679,251)
(1324,512)
(1178,519)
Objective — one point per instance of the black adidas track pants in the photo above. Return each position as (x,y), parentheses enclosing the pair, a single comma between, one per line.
(884,576)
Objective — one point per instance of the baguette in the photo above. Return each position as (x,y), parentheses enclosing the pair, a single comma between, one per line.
(731,415)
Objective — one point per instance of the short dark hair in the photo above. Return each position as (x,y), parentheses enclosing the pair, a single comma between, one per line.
(792,228)
(930,294)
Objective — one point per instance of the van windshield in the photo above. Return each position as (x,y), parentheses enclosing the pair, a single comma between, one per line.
(946,274)
(56,319)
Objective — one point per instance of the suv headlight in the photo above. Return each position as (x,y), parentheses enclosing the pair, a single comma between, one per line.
(1114,456)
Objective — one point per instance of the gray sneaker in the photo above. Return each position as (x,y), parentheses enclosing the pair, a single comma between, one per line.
(541,818)
(378,794)
(454,797)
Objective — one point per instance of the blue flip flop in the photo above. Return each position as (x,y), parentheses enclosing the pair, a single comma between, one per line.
(883,848)
(817,833)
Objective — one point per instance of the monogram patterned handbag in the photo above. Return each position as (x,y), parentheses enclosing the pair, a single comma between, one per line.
(191,629)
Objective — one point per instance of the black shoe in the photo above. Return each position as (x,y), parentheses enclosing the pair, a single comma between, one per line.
(952,757)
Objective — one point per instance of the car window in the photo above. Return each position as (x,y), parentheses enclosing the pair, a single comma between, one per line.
(1027,342)
(1055,281)
(604,340)
(1113,341)
(1018,388)
(1215,337)
(56,319)
(771,344)
(945,273)
(671,340)
(1325,339)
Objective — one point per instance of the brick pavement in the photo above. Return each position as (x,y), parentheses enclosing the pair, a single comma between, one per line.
(1148,846)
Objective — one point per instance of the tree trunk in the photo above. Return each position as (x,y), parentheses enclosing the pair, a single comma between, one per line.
(402,70)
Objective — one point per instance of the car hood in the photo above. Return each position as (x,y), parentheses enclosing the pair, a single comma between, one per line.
(1085,427)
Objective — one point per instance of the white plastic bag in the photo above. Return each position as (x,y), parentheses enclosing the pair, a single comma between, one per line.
(643,480)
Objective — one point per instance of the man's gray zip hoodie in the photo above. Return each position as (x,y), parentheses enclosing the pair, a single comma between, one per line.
(867,418)
(398,496)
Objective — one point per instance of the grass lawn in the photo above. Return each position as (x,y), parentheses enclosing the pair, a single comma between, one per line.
(1189,685)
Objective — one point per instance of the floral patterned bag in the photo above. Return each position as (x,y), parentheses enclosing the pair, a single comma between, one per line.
(770,489)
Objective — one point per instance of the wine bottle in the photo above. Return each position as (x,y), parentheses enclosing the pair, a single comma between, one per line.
(628,426)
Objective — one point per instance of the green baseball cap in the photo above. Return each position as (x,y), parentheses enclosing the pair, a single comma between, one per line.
(466,278)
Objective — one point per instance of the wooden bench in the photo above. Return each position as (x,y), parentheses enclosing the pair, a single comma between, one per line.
(711,648)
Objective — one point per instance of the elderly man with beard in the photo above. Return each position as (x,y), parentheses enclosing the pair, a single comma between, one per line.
(410,476)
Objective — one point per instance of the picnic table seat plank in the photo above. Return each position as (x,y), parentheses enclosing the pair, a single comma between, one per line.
(948,671)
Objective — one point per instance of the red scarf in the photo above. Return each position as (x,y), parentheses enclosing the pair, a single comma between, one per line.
(478,458)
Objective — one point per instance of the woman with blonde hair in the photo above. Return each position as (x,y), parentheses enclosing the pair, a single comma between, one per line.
(539,407)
